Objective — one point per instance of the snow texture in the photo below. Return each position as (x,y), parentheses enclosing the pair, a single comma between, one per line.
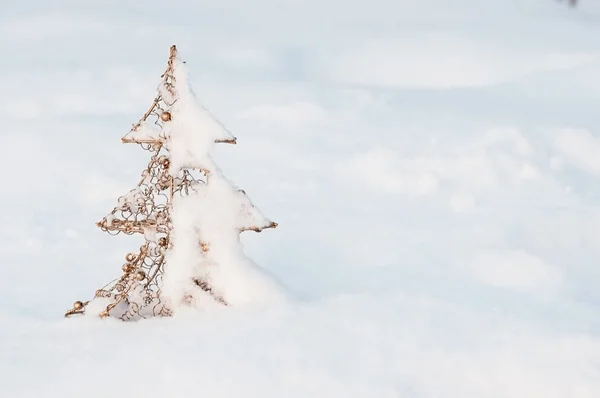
(145,131)
(192,131)
(433,167)
(211,216)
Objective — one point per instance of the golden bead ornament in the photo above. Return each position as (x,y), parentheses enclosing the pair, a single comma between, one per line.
(165,116)
(140,275)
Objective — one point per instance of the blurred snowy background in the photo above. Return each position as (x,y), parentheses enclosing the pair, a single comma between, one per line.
(434,167)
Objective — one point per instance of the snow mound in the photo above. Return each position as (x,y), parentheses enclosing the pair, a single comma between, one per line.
(208,219)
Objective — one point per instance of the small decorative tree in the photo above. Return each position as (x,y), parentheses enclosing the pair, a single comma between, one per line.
(189,214)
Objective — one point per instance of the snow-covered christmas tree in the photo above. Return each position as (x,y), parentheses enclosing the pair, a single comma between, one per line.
(189,214)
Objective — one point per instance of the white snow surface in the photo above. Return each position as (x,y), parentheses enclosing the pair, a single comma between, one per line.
(433,167)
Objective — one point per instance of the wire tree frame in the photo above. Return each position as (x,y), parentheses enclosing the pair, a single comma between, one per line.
(147,210)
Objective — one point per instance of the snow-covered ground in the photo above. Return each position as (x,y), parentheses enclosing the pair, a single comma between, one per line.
(433,165)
